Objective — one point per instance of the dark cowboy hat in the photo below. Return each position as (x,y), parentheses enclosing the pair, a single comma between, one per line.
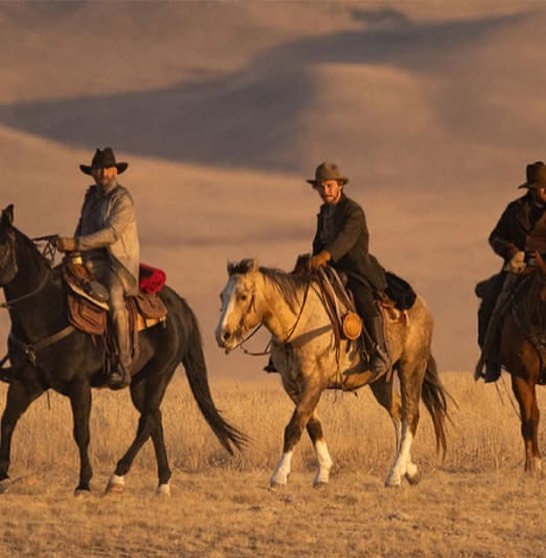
(102,160)
(327,171)
(536,176)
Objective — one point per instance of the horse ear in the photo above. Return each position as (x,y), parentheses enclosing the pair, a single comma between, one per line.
(7,216)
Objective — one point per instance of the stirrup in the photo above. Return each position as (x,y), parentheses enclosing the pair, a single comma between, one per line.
(380,363)
(118,380)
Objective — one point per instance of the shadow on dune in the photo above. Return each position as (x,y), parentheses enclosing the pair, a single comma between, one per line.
(251,119)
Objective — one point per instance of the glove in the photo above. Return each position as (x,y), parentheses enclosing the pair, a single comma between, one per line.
(517,263)
(66,244)
(319,260)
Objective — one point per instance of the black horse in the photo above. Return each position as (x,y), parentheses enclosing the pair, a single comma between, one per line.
(46,354)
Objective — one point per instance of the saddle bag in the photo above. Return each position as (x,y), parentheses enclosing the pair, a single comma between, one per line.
(399,291)
(85,315)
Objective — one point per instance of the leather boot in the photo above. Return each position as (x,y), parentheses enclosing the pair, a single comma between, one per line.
(380,360)
(489,367)
(120,376)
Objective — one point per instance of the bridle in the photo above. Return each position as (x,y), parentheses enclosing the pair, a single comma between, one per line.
(267,349)
(31,349)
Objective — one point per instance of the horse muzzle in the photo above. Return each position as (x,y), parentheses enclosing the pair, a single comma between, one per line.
(226,339)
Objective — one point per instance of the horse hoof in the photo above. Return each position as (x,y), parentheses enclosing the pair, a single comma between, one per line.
(116,485)
(320,485)
(274,486)
(414,479)
(5,485)
(82,492)
(163,490)
(392,482)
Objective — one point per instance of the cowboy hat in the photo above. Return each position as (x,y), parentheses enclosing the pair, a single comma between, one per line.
(327,171)
(102,160)
(536,176)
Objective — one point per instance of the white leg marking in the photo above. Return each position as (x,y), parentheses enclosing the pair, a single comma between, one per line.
(116,484)
(400,467)
(280,475)
(325,463)
(163,490)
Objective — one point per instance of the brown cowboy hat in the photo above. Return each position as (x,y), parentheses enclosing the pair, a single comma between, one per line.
(104,159)
(536,176)
(327,171)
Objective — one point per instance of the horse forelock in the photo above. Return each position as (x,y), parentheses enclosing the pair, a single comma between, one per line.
(241,268)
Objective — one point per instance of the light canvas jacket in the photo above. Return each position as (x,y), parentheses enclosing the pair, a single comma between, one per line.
(108,221)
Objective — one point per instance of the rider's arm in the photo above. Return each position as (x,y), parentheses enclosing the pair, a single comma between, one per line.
(354,227)
(122,213)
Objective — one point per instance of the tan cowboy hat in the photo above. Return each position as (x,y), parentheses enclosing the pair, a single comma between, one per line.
(103,160)
(536,176)
(327,171)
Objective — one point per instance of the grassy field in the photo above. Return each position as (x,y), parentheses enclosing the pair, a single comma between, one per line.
(477,502)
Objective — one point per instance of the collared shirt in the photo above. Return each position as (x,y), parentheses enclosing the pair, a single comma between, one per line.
(326,228)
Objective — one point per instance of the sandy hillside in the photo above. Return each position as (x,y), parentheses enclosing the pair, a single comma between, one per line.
(222,111)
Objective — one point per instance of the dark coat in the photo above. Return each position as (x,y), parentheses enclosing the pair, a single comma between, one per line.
(349,248)
(515,225)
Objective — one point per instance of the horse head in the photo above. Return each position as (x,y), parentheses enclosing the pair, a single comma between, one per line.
(239,313)
(8,260)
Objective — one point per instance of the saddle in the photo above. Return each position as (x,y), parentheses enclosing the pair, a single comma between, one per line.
(393,303)
(88,300)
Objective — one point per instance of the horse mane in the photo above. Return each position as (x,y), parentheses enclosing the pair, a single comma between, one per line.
(29,246)
(289,285)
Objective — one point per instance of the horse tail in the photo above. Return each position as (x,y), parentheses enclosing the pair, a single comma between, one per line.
(193,360)
(435,399)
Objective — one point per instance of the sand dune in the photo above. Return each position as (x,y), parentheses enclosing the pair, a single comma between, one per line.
(222,110)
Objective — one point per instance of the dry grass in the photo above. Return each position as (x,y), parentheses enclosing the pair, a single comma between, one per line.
(476,503)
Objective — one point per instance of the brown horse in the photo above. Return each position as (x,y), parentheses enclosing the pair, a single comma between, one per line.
(523,355)
(292,308)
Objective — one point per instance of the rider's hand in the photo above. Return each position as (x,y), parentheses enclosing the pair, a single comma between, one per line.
(516,263)
(66,244)
(319,260)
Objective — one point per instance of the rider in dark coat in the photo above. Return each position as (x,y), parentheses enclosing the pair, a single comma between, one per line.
(524,218)
(342,241)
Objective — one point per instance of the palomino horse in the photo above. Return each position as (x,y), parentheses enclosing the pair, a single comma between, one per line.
(71,364)
(292,308)
(523,354)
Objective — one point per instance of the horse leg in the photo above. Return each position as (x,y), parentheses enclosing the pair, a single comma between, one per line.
(530,415)
(411,376)
(20,395)
(80,401)
(149,425)
(314,429)
(390,401)
(293,431)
